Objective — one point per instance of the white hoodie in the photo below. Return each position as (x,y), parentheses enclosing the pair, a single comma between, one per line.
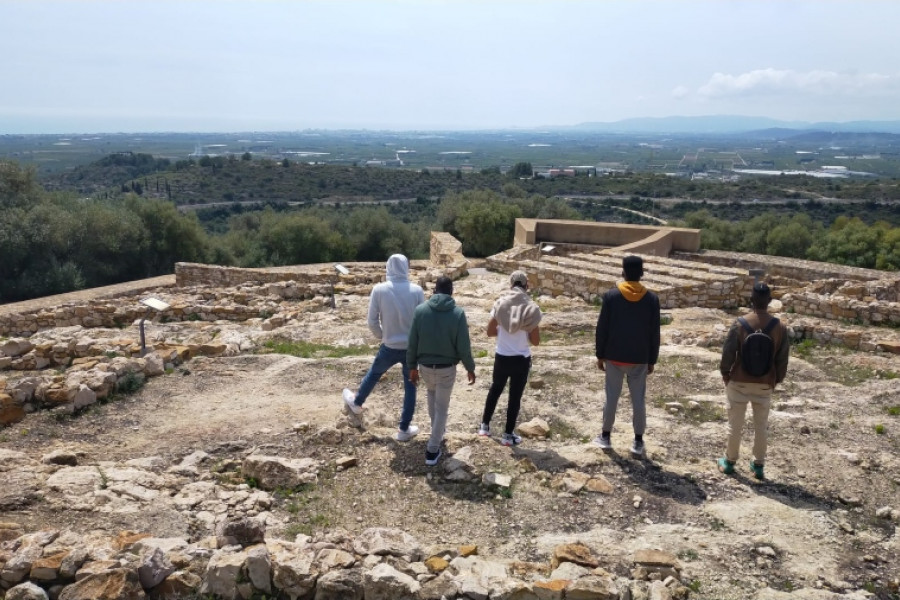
(392,304)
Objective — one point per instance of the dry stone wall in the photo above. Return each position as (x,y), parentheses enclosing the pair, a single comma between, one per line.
(780,266)
(576,272)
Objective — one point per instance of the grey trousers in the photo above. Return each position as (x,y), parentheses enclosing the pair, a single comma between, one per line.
(637,388)
(439,383)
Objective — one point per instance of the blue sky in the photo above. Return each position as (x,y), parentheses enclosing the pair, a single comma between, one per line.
(73,66)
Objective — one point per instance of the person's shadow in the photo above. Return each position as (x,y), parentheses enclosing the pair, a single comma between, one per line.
(653,478)
(789,494)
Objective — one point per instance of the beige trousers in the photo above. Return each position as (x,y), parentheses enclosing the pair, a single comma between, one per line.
(738,394)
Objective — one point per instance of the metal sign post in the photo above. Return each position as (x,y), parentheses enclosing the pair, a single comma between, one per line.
(339,270)
(155,304)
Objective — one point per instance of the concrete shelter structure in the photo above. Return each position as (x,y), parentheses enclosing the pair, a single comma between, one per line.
(637,239)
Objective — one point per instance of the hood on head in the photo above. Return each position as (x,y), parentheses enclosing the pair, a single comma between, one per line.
(397,268)
(442,302)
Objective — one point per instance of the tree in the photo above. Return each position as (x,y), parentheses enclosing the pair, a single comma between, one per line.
(521,169)
(246,156)
(848,242)
(793,238)
(889,251)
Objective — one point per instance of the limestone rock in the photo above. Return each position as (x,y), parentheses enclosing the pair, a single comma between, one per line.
(439,588)
(154,568)
(340,584)
(180,584)
(46,568)
(293,570)
(154,365)
(115,584)
(84,396)
(329,559)
(384,582)
(576,553)
(460,466)
(384,541)
(243,532)
(11,411)
(259,568)
(222,573)
(26,591)
(592,587)
(10,531)
(535,428)
(599,484)
(569,570)
(655,558)
(571,481)
(95,567)
(345,462)
(19,565)
(436,564)
(272,472)
(496,480)
(16,347)
(72,563)
(552,589)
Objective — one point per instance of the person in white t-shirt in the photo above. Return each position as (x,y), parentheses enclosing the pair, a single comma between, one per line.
(515,320)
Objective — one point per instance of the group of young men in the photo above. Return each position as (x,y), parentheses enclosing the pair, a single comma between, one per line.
(429,339)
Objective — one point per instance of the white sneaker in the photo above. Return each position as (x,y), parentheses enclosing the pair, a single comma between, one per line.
(510,439)
(350,401)
(603,441)
(484,430)
(404,436)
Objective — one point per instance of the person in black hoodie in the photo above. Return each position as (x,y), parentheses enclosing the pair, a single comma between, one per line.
(627,346)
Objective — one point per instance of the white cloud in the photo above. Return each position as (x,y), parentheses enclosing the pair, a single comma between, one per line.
(680,91)
(815,83)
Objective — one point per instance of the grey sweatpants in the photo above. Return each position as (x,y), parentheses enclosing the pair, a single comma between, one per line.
(439,383)
(637,388)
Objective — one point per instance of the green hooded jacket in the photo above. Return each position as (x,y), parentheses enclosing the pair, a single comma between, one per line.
(439,334)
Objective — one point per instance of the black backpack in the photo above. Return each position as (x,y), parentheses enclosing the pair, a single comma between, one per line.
(758,349)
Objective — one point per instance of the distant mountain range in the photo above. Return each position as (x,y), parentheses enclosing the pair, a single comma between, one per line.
(734,124)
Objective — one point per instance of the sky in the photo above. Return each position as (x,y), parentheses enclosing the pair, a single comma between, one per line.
(97,66)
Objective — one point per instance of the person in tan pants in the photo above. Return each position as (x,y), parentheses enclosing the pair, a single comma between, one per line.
(742,388)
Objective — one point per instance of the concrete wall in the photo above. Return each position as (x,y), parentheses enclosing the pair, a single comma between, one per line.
(646,239)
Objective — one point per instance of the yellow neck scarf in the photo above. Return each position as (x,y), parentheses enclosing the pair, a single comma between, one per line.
(632,290)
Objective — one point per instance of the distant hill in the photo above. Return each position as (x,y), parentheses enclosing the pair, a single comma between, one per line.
(726,124)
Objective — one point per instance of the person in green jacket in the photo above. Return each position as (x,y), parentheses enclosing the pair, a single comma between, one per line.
(438,340)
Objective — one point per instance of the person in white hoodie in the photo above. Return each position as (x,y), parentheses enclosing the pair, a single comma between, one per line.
(391,307)
(515,321)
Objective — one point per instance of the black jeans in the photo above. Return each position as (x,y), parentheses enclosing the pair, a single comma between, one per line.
(515,369)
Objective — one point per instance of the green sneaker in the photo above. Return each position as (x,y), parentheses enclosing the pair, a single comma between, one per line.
(757,470)
(725,466)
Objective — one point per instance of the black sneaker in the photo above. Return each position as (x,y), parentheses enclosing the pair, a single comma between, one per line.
(637,449)
(431,458)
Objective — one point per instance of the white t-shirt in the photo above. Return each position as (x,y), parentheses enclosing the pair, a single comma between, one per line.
(512,344)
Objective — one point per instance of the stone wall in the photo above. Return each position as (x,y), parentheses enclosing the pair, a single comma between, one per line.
(780,266)
(446,257)
(568,270)
(186,304)
(839,307)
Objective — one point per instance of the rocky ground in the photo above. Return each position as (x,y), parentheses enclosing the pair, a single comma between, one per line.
(167,459)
